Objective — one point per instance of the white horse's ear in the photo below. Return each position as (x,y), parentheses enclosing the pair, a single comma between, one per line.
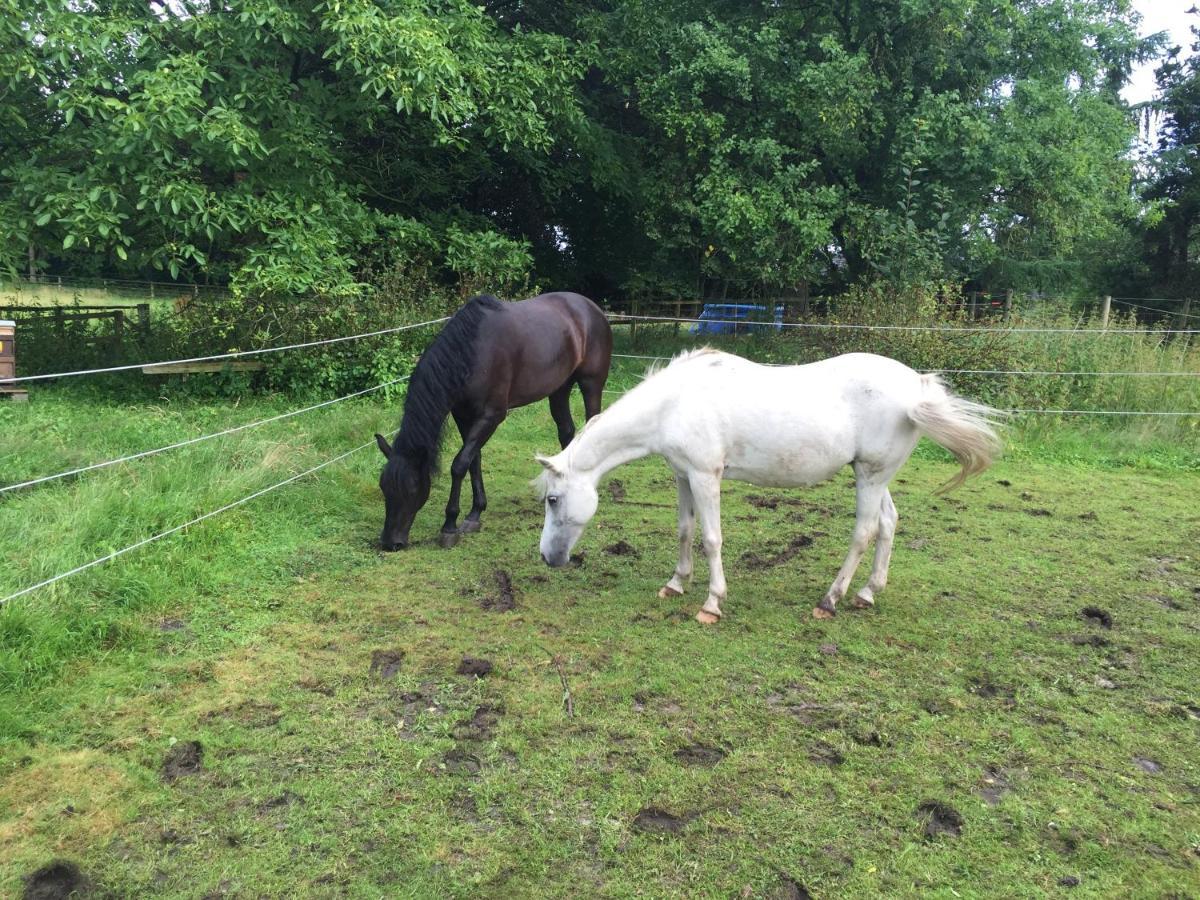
(548,464)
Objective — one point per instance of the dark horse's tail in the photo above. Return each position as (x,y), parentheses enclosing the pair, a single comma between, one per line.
(436,382)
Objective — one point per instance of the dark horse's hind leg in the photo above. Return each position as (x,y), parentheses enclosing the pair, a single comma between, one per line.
(475,434)
(560,409)
(592,388)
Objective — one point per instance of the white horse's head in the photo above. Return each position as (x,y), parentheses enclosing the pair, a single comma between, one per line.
(571,501)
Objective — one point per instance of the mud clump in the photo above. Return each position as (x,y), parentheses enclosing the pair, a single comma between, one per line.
(621,548)
(472,666)
(505,597)
(185,758)
(1038,511)
(790,889)
(616,490)
(1097,615)
(656,821)
(940,818)
(57,879)
(753,559)
(481,726)
(459,762)
(385,664)
(699,755)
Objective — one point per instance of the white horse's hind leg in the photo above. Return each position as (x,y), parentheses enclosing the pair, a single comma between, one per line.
(870,491)
(706,496)
(883,553)
(687,531)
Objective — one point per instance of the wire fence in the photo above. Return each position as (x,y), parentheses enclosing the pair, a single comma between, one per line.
(616,317)
(221,356)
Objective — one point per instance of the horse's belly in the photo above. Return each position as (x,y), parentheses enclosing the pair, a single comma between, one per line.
(786,464)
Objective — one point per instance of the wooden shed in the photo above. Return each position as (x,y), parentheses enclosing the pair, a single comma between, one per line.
(8,361)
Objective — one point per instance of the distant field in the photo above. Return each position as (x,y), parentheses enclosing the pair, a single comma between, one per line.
(1019,714)
(116,295)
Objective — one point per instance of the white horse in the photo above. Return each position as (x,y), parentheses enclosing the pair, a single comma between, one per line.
(713,415)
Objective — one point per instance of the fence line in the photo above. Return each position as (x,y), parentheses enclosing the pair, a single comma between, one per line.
(1165,312)
(964,329)
(234,355)
(208,515)
(197,440)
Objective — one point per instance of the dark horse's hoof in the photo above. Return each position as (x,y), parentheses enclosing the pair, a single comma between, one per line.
(470,526)
(448,539)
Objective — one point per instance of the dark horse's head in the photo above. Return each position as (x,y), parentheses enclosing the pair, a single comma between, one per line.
(437,384)
(405,484)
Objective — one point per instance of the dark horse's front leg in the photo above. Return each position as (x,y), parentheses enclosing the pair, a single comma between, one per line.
(475,433)
(560,411)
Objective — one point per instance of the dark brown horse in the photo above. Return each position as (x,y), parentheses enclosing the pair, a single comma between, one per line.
(489,358)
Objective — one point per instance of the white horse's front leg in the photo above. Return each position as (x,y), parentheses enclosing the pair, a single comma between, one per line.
(687,530)
(706,496)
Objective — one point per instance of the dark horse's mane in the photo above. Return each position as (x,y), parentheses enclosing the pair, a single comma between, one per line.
(440,375)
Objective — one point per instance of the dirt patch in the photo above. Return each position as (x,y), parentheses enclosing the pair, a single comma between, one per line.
(984,687)
(1038,511)
(753,559)
(826,755)
(57,879)
(995,787)
(317,687)
(505,598)
(759,501)
(284,800)
(1089,516)
(829,649)
(1148,765)
(940,818)
(472,666)
(652,820)
(621,548)
(699,755)
(616,490)
(790,889)
(385,664)
(1090,640)
(459,762)
(185,758)
(1069,881)
(481,726)
(250,713)
(1004,482)
(1097,615)
(170,625)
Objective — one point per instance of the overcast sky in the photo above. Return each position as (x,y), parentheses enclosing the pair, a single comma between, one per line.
(1159,15)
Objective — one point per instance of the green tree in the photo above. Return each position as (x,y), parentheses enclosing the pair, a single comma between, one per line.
(266,142)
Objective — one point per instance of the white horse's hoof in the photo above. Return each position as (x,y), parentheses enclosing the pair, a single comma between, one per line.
(861,602)
(668,592)
(819,613)
(704,617)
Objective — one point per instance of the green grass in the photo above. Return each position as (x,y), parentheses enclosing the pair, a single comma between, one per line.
(254,635)
(55,295)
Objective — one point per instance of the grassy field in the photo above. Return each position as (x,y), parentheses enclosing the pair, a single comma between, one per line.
(1018,717)
(26,294)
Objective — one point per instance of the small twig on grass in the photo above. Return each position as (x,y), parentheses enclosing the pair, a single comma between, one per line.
(556,660)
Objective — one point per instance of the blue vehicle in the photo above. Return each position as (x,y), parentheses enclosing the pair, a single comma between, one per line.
(736,318)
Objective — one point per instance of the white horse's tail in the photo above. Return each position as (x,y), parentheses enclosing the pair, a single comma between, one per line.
(965,428)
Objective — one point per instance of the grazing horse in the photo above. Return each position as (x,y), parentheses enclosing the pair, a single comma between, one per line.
(489,358)
(714,415)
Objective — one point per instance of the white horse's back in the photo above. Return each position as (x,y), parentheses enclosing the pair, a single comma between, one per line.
(788,425)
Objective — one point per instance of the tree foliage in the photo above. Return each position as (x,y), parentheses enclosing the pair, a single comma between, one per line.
(688,146)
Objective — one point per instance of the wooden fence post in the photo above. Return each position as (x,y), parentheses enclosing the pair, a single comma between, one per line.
(143,311)
(974,304)
(1008,298)
(118,330)
(1185,316)
(1104,310)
